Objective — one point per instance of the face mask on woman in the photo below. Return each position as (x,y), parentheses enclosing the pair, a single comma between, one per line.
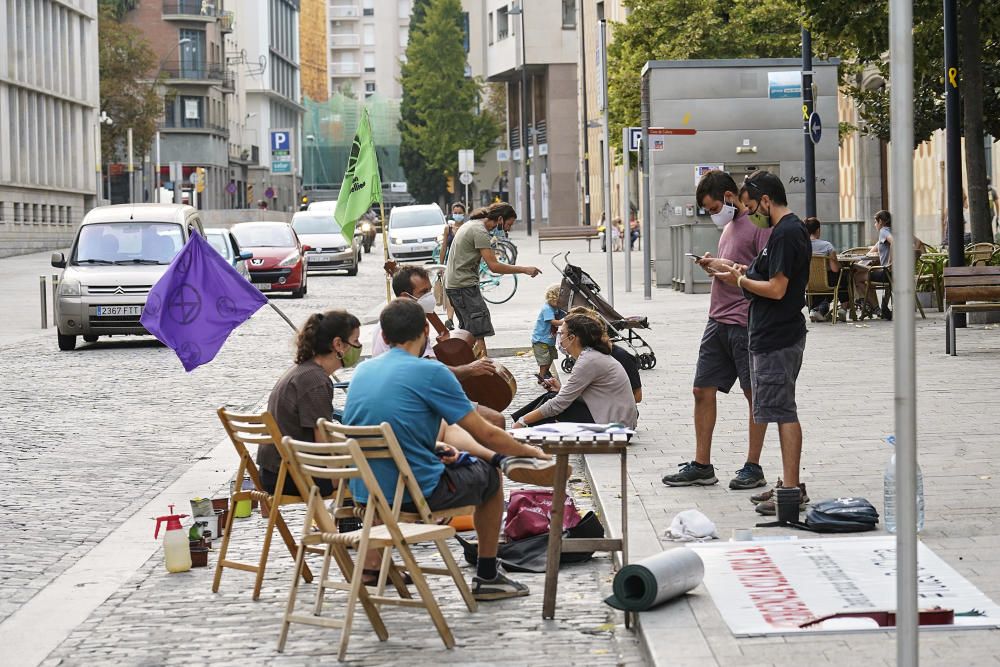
(458,217)
(352,356)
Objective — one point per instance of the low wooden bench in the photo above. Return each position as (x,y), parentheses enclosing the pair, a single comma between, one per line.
(587,234)
(969,289)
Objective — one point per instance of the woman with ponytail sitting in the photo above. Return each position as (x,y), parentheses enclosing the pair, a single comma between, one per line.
(598,389)
(326,343)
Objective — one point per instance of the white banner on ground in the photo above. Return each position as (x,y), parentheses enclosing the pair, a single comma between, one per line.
(771,588)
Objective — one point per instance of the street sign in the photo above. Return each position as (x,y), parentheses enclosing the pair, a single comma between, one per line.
(231,188)
(465,178)
(814,127)
(672,130)
(397,187)
(632,138)
(269,193)
(466,160)
(281,151)
(503,155)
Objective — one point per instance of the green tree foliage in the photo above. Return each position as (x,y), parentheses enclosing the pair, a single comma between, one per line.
(119,8)
(691,29)
(127,94)
(438,115)
(863,42)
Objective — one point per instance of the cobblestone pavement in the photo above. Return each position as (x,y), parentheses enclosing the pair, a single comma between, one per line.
(158,618)
(93,434)
(114,423)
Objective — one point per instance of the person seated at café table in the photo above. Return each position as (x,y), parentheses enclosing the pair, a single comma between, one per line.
(864,276)
(326,343)
(597,391)
(413,394)
(820,312)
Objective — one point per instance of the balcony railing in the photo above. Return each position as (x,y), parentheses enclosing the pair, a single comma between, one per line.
(341,11)
(193,124)
(190,8)
(344,40)
(345,69)
(226,21)
(208,72)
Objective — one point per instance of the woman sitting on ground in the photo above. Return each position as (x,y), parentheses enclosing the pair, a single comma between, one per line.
(326,343)
(598,389)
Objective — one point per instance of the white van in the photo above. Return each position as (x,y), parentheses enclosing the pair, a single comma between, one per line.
(117,256)
(415,231)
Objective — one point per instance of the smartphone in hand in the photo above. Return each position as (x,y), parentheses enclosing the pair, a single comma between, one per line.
(692,256)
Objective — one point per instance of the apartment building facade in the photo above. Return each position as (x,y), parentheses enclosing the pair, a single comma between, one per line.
(49,96)
(367,42)
(547,48)
(273,99)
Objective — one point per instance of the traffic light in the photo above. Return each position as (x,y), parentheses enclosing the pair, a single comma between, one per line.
(200,179)
(451,185)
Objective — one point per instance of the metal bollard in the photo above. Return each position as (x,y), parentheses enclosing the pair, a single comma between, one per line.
(45,307)
(55,287)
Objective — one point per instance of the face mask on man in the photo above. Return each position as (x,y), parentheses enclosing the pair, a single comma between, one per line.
(352,356)
(724,216)
(427,302)
(760,218)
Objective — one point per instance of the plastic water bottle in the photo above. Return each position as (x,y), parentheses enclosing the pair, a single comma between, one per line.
(889,513)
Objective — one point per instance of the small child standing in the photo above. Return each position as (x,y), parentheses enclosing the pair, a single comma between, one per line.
(543,338)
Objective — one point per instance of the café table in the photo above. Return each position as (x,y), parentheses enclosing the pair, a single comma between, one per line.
(850,262)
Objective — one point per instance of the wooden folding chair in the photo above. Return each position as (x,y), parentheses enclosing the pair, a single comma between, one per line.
(379,442)
(245,430)
(342,462)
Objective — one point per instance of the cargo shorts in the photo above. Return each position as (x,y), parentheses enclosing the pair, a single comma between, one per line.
(473,313)
(772,378)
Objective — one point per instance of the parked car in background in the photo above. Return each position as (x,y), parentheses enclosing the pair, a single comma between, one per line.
(279,258)
(414,231)
(117,256)
(226,245)
(328,249)
(369,224)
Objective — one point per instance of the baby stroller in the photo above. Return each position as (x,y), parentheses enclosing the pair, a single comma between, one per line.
(579,289)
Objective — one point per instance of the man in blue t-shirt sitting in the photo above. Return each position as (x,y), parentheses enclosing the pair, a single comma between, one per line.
(413,395)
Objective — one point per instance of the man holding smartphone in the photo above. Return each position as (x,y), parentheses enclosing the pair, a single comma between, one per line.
(724,356)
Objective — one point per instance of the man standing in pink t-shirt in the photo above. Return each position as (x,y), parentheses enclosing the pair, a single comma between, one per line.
(724,355)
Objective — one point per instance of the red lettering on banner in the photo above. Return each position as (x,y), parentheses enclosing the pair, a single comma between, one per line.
(767,587)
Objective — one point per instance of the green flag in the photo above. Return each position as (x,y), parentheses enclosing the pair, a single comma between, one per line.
(361,187)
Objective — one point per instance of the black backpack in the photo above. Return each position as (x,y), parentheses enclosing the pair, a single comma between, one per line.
(840,515)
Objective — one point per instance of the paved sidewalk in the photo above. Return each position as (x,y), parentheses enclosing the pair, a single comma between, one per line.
(845,397)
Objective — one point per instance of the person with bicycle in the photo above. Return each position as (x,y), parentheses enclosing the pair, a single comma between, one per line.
(472,246)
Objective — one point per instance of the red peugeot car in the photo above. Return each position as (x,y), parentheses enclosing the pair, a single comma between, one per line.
(279,260)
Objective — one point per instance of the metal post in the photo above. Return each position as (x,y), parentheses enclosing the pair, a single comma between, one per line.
(98,166)
(156,185)
(626,211)
(525,105)
(647,210)
(55,288)
(606,167)
(45,306)
(901,196)
(807,109)
(131,169)
(584,128)
(953,144)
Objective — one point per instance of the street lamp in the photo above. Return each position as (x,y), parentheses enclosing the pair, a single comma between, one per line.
(518,10)
(103,119)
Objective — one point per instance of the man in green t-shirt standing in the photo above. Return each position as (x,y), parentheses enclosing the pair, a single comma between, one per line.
(472,245)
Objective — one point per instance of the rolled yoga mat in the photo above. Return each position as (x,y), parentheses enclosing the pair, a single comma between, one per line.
(654,580)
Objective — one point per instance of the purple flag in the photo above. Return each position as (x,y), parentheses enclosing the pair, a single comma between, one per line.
(198,302)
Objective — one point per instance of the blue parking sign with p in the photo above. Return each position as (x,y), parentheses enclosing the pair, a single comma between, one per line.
(634,138)
(280,140)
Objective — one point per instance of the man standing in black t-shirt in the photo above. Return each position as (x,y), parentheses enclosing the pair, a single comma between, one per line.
(775,283)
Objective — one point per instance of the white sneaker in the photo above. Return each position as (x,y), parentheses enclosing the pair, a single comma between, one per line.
(815,315)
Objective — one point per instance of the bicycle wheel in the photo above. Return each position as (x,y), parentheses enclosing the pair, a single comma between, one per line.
(509,248)
(497,287)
